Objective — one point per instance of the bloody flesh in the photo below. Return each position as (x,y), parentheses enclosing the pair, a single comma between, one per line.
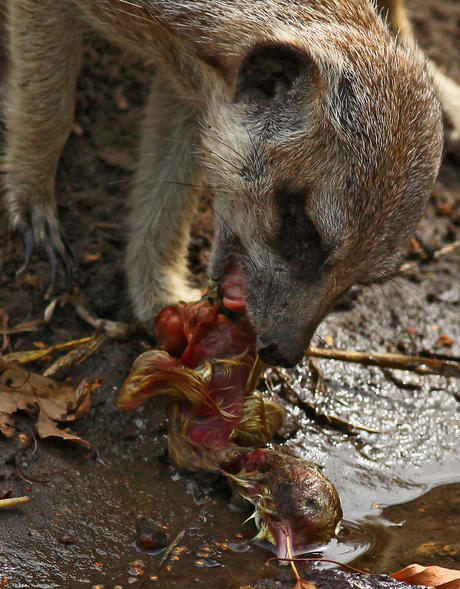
(208,367)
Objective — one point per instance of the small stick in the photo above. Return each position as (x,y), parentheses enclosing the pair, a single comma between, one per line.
(446,249)
(115,329)
(289,553)
(416,364)
(12,501)
(317,413)
(75,356)
(437,254)
(173,543)
(32,355)
(21,327)
(347,566)
(301,583)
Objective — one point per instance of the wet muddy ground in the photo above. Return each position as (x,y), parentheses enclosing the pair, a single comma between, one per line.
(399,484)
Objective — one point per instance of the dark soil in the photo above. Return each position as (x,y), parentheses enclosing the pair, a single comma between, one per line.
(79,529)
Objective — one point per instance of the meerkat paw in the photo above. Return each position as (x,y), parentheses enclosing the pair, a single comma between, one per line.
(187,294)
(40,230)
(148,305)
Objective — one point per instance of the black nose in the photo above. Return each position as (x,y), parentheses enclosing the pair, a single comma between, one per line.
(271,354)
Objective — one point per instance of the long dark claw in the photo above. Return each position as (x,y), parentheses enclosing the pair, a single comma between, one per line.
(69,247)
(28,238)
(70,264)
(53,269)
(68,268)
(67,253)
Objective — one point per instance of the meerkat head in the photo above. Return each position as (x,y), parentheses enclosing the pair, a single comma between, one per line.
(321,164)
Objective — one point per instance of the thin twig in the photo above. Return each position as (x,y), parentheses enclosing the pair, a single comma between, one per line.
(347,566)
(115,329)
(32,355)
(12,501)
(173,543)
(315,412)
(289,553)
(446,249)
(30,480)
(22,327)
(75,356)
(319,385)
(416,364)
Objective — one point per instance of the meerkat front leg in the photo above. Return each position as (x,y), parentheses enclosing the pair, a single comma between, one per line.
(163,202)
(45,56)
(448,91)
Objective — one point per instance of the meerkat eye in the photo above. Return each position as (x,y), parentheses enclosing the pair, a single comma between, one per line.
(299,241)
(268,72)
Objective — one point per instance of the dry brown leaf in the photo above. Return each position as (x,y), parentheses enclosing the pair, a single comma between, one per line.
(46,428)
(52,401)
(7,425)
(432,576)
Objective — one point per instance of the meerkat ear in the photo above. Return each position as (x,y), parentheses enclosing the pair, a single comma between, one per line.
(267,72)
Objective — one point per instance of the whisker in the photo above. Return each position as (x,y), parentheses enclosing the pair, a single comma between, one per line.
(124,181)
(163,138)
(240,155)
(394,317)
(407,292)
(323,342)
(245,251)
(202,186)
(228,162)
(223,220)
(166,157)
(399,280)
(243,158)
(255,146)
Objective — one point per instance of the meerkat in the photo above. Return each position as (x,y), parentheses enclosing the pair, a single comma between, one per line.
(315,124)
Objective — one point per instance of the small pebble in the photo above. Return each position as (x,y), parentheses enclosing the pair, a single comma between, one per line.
(136,571)
(238,546)
(150,535)
(66,539)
